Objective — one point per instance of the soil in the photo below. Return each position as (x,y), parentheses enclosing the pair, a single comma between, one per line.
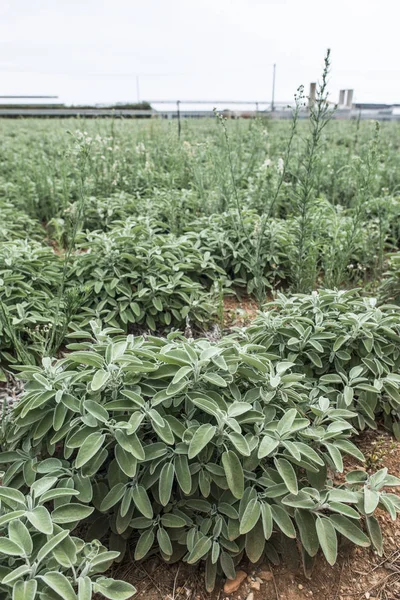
(359,573)
(239,313)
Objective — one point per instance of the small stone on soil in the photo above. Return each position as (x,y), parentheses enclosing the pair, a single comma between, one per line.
(232,585)
(265,575)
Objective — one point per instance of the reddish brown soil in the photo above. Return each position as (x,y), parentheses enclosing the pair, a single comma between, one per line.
(238,313)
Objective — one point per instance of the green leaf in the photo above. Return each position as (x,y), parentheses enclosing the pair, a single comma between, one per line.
(234,473)
(287,473)
(266,519)
(286,422)
(203,435)
(100,378)
(200,549)
(84,588)
(268,445)
(59,584)
(51,544)
(87,358)
(375,534)
(131,444)
(126,462)
(182,372)
(308,534)
(142,501)
(11,494)
(15,574)
(18,533)
(114,589)
(327,538)
(40,518)
(10,548)
(371,500)
(144,544)
(227,565)
(255,543)
(240,443)
(71,513)
(343,509)
(113,497)
(164,541)
(165,483)
(215,379)
(14,514)
(335,456)
(182,473)
(173,521)
(250,516)
(25,590)
(350,529)
(89,448)
(282,519)
(96,410)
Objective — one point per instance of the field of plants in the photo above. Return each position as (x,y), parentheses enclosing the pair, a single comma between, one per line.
(135,423)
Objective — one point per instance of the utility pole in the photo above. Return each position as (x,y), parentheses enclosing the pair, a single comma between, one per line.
(273,89)
(137,89)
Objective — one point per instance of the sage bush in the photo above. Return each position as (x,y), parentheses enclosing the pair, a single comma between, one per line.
(209,452)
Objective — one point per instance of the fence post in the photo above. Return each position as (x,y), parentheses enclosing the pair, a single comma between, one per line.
(178,112)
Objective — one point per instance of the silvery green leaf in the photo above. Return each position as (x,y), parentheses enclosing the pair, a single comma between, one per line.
(16,574)
(234,473)
(19,533)
(327,538)
(85,589)
(51,544)
(40,518)
(371,500)
(59,584)
(165,483)
(89,448)
(10,548)
(114,589)
(100,379)
(144,544)
(287,473)
(25,590)
(267,445)
(142,502)
(71,513)
(250,516)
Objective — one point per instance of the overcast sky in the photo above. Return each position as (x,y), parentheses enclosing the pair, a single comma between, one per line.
(93,50)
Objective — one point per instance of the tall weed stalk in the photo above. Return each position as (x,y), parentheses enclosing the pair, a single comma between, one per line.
(67,302)
(304,253)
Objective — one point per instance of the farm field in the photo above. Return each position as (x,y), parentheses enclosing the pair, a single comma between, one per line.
(199,358)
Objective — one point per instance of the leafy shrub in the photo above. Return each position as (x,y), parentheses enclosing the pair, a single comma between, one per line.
(233,243)
(390,286)
(134,275)
(16,224)
(233,246)
(348,347)
(208,451)
(39,556)
(29,276)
